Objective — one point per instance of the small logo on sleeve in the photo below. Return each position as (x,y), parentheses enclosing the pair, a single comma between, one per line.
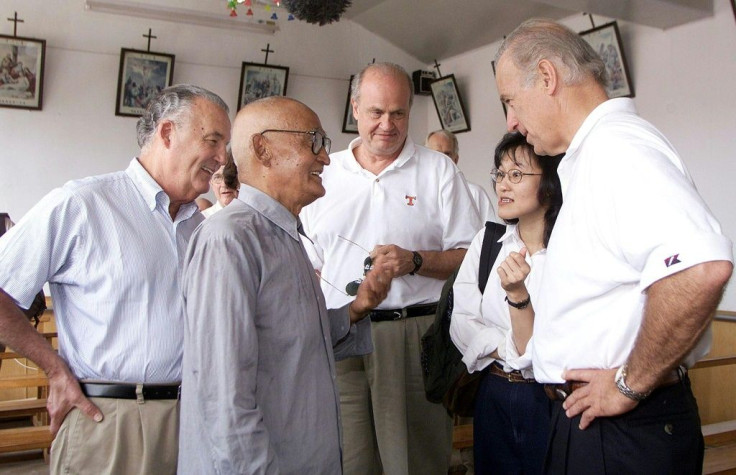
(672,260)
(410,200)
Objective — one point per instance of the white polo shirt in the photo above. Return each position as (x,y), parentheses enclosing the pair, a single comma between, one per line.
(631,215)
(483,203)
(419,202)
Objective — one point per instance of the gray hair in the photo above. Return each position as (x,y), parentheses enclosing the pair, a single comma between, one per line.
(449,136)
(538,38)
(172,104)
(385,68)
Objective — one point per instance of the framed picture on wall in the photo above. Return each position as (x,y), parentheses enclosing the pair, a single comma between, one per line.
(21,72)
(606,41)
(449,105)
(261,80)
(142,75)
(349,124)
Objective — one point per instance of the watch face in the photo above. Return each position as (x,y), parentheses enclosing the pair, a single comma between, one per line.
(417,259)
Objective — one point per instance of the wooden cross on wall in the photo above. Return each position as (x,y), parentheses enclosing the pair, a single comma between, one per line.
(149,36)
(437,67)
(15,21)
(267,50)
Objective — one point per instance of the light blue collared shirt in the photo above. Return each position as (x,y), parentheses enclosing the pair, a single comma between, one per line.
(112,257)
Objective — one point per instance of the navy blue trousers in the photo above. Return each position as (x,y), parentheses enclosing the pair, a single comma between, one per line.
(661,435)
(510,427)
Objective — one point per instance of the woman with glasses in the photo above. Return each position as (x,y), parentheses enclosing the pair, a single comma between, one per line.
(492,330)
(225,185)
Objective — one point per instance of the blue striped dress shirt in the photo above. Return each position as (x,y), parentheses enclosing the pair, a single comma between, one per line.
(112,257)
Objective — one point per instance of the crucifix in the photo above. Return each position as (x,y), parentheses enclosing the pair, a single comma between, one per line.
(149,36)
(267,50)
(15,21)
(590,15)
(437,67)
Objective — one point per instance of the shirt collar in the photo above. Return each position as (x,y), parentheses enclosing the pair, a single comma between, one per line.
(270,209)
(407,152)
(620,104)
(512,235)
(152,192)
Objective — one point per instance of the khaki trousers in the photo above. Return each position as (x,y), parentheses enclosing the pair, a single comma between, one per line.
(388,424)
(132,439)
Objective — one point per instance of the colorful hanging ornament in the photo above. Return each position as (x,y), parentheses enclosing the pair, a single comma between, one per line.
(250,12)
(248,3)
(233,12)
(291,17)
(274,17)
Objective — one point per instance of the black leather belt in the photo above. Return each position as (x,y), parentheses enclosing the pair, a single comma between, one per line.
(401,313)
(131,391)
(560,392)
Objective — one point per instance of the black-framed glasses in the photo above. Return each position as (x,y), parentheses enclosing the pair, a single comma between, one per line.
(514,175)
(319,139)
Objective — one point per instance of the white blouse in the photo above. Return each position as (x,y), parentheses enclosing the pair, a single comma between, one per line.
(481,323)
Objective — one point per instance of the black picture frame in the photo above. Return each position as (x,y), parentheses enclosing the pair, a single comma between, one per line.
(349,124)
(606,41)
(261,80)
(141,76)
(22,72)
(449,104)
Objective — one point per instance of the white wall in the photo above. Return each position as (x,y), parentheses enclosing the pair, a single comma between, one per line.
(683,77)
(77,133)
(684,84)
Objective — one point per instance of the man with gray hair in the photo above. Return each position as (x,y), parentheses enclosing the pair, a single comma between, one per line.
(632,278)
(390,198)
(444,141)
(111,249)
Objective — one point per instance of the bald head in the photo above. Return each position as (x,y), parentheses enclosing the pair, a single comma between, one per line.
(272,145)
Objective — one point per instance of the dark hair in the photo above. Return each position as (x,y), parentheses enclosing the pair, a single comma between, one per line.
(550,191)
(230,173)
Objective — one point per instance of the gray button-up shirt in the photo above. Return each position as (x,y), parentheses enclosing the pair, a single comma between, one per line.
(258,386)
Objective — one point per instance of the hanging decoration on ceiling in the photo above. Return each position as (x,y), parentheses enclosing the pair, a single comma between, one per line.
(319,12)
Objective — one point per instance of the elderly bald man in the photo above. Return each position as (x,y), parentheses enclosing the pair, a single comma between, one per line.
(258,391)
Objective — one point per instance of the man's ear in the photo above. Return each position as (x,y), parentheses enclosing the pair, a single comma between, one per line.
(354,106)
(548,76)
(166,131)
(262,153)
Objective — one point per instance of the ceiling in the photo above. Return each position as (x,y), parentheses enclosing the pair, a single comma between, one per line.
(437,29)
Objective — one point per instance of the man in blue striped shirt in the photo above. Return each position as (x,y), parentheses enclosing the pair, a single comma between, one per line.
(111,249)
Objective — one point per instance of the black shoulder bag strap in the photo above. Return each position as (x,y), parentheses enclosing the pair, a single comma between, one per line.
(489,251)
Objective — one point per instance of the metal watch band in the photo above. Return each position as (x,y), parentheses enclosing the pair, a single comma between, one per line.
(624,389)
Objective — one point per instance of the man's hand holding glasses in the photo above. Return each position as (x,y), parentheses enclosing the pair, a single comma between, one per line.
(373,289)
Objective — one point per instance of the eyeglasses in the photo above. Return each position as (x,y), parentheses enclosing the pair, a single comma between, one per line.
(514,175)
(319,139)
(217,178)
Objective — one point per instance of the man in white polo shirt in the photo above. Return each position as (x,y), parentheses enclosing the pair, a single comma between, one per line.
(635,267)
(387,196)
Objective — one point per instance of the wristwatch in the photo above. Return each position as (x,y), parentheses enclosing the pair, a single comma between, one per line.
(624,389)
(520,305)
(417,260)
